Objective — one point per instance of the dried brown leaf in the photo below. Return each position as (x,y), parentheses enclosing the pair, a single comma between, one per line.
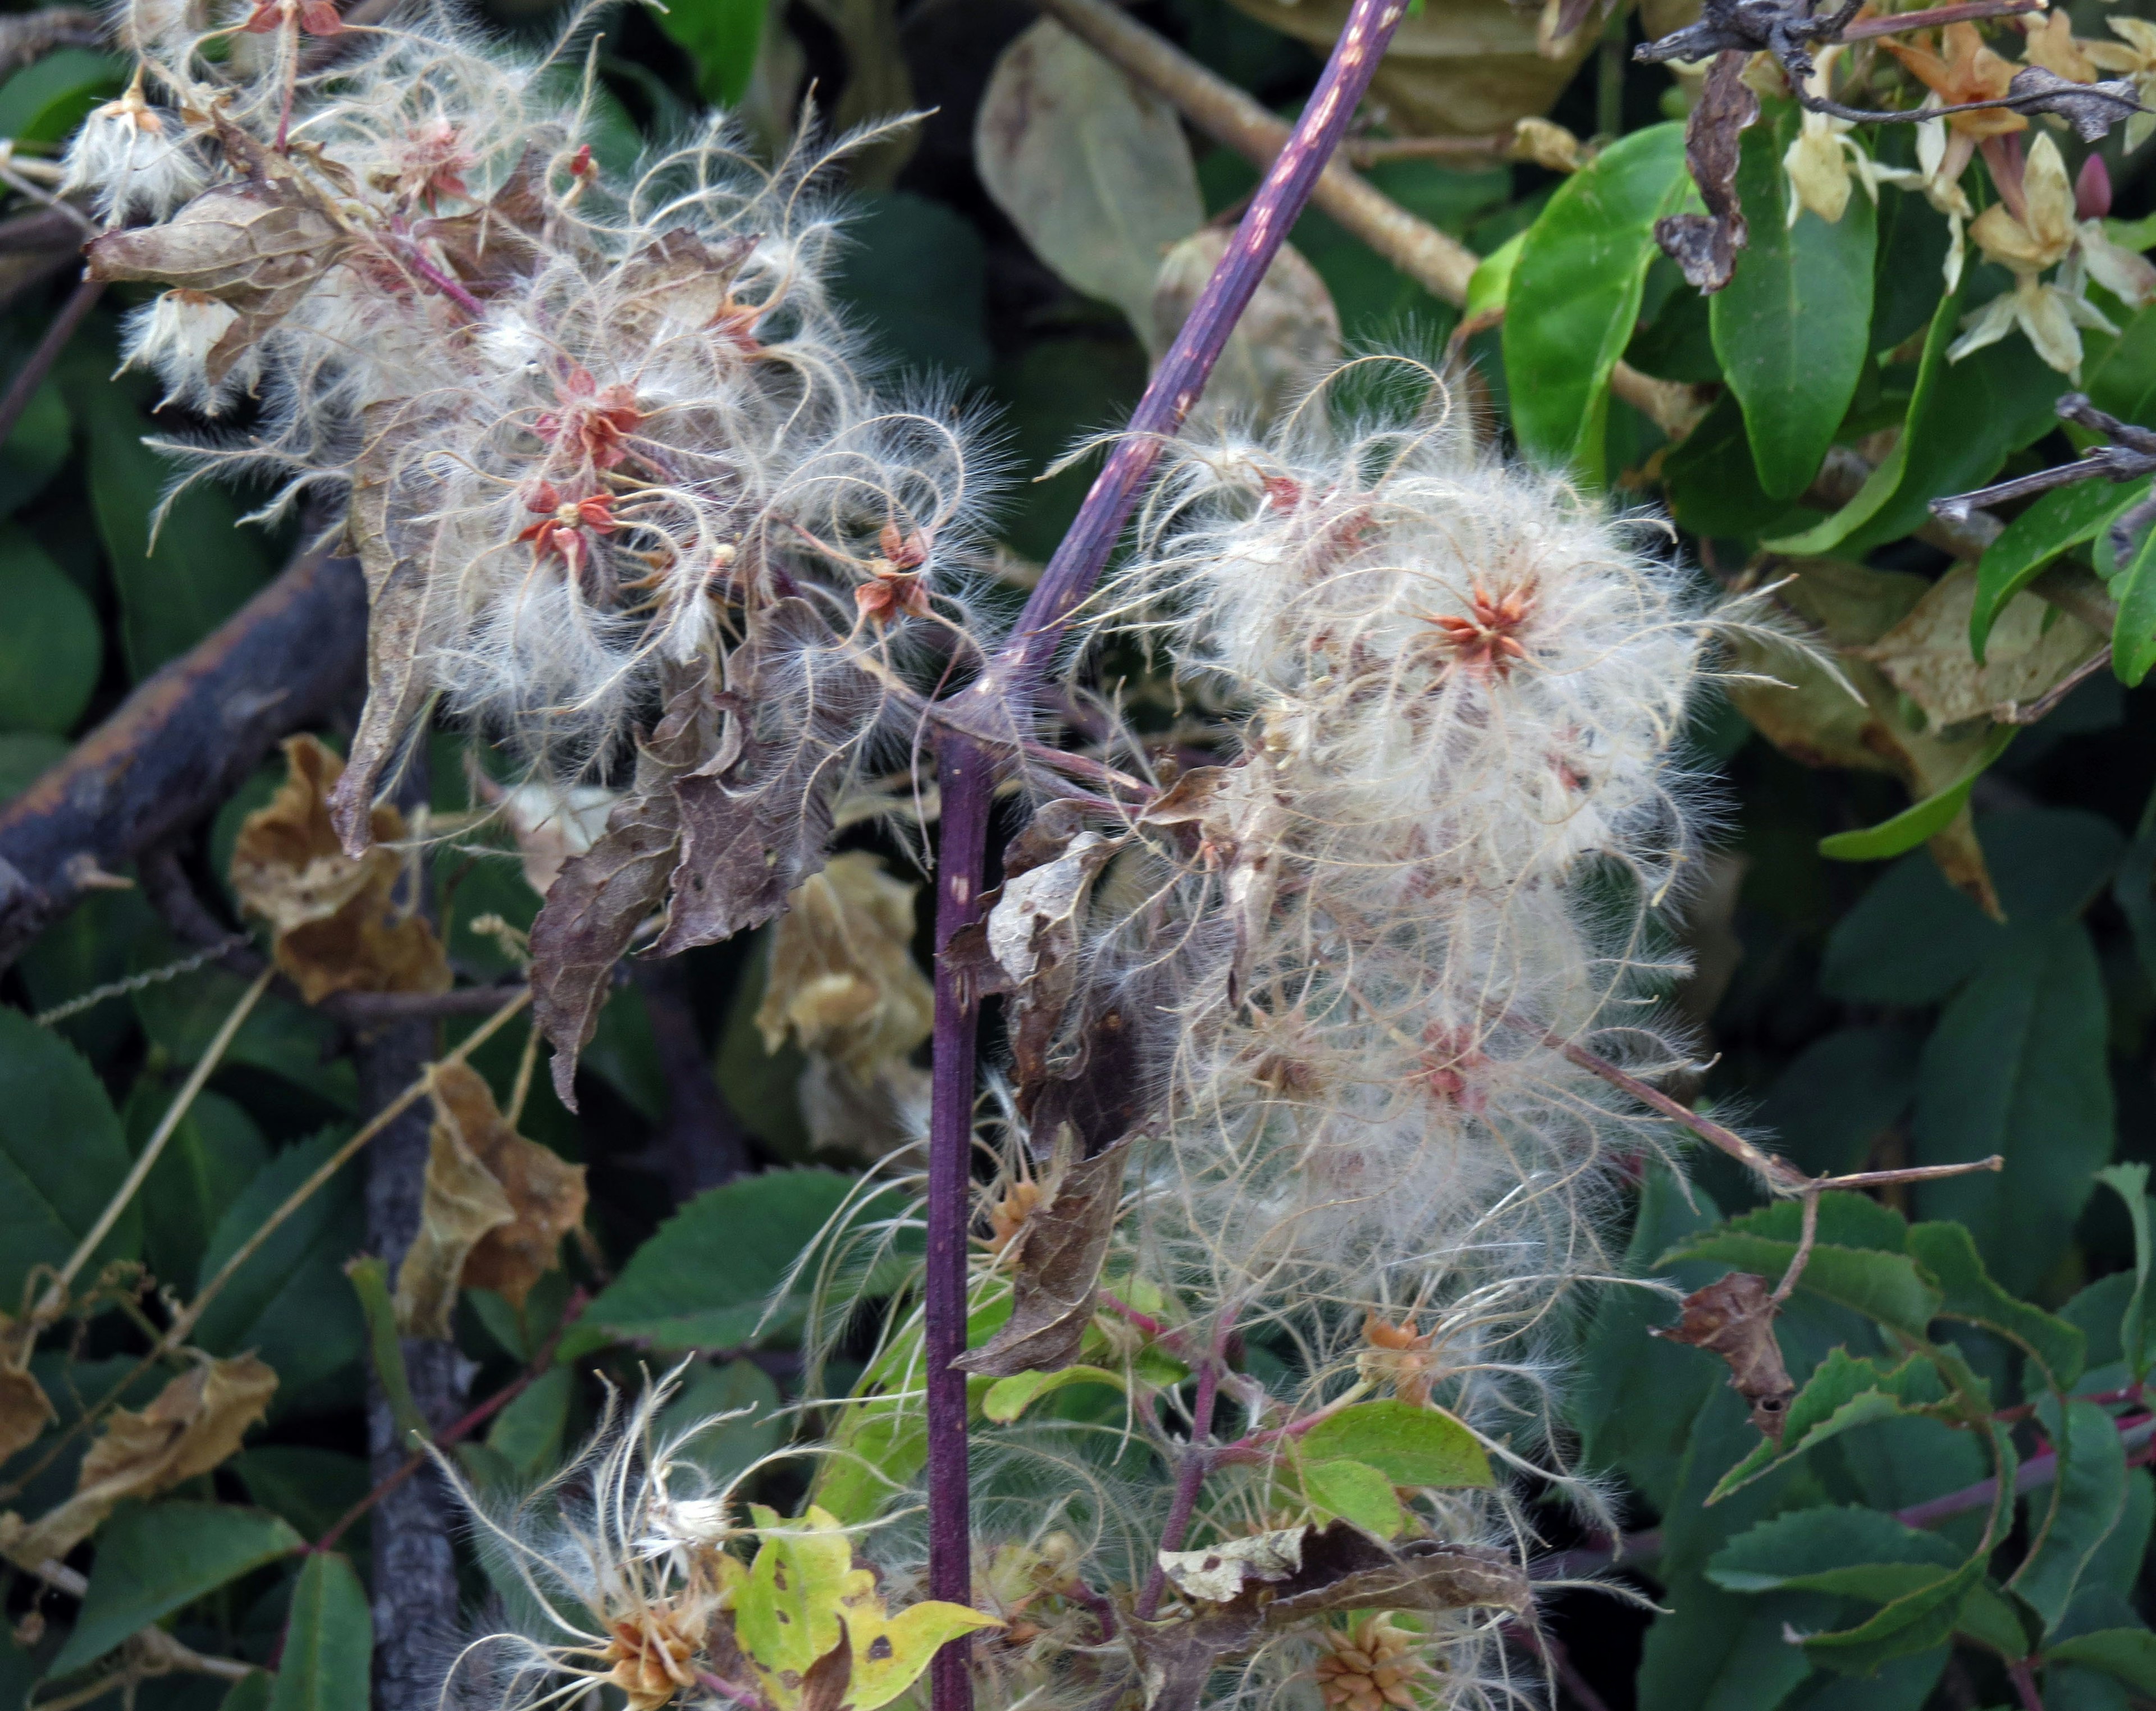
(1290,333)
(460,1203)
(1705,246)
(1033,936)
(1058,1251)
(338,927)
(1091,168)
(191,1426)
(756,817)
(1733,1317)
(545,1192)
(842,982)
(1221,1572)
(25,1410)
(259,246)
(2033,648)
(600,898)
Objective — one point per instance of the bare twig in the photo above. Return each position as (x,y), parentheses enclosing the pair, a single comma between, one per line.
(181,743)
(1441,265)
(2130,456)
(1900,22)
(1369,150)
(32,35)
(32,375)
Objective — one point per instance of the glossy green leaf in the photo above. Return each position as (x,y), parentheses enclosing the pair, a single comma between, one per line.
(2018,1066)
(2130,1183)
(1009,1397)
(916,272)
(705,1279)
(152,1559)
(329,1640)
(1353,1491)
(1968,1293)
(1912,938)
(1717,1651)
(1409,1446)
(1490,288)
(1840,1095)
(2062,519)
(52,647)
(1792,326)
(2126,1654)
(1713,487)
(1844,1392)
(2134,636)
(1576,290)
(1919,821)
(250,1692)
(37,448)
(61,1156)
(2086,1501)
(722,36)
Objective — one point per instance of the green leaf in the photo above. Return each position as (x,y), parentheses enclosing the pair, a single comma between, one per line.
(1889,1287)
(1792,327)
(722,36)
(1714,486)
(329,1640)
(52,647)
(2087,1501)
(1912,938)
(723,1446)
(1576,292)
(788,1613)
(250,1692)
(202,566)
(385,1348)
(1840,1095)
(1916,1621)
(61,1156)
(2018,1066)
(2062,519)
(35,450)
(1968,1293)
(915,271)
(152,1559)
(290,1301)
(1807,1548)
(528,1433)
(2134,635)
(2130,1183)
(1921,820)
(1409,1446)
(1717,1651)
(310,1487)
(1007,1398)
(2127,1654)
(209,1159)
(47,100)
(1490,287)
(1353,1491)
(705,1280)
(1844,1392)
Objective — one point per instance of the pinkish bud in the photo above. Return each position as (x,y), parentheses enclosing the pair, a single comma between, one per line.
(2093,189)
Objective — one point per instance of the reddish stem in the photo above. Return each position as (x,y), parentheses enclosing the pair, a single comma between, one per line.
(32,374)
(1012,679)
(2025,1685)
(1190,1476)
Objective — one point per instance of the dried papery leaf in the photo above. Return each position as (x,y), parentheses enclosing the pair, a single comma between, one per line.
(1341,1568)
(1221,1571)
(1237,821)
(546,1193)
(191,1425)
(338,927)
(1467,68)
(1797,704)
(842,982)
(25,1409)
(460,1203)
(1091,168)
(1290,333)
(1058,1254)
(601,897)
(1034,933)
(864,1122)
(692,281)
(2033,648)
(1733,1317)
(755,818)
(1705,246)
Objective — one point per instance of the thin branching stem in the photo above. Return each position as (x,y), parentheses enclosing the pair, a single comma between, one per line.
(32,374)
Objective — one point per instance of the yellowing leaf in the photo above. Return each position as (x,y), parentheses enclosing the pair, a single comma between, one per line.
(190,1426)
(2032,649)
(25,1410)
(843,980)
(460,1203)
(891,1653)
(338,927)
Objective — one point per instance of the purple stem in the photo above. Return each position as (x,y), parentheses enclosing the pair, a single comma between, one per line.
(1197,1463)
(1012,678)
(32,374)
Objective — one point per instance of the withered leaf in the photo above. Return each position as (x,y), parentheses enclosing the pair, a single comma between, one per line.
(1058,1251)
(25,1410)
(1033,935)
(1733,1317)
(2091,109)
(545,1192)
(338,927)
(600,898)
(1220,1572)
(756,818)
(842,981)
(1705,246)
(1341,1568)
(1290,332)
(189,1427)
(460,1203)
(1235,816)
(259,246)
(2033,648)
